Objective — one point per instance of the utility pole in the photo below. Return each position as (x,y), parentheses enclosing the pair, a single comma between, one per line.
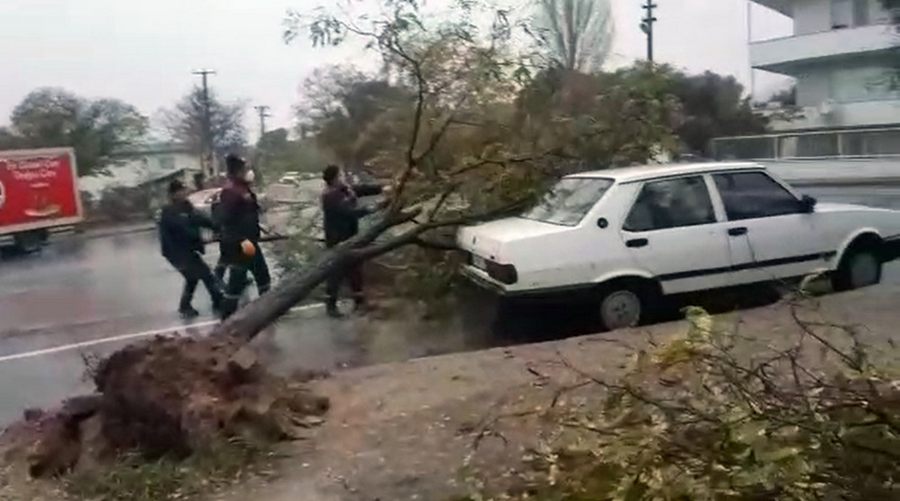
(207,160)
(647,26)
(263,112)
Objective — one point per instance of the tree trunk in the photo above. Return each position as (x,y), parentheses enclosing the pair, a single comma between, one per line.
(250,320)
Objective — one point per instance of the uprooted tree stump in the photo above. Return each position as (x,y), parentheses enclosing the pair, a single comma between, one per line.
(174,396)
(165,397)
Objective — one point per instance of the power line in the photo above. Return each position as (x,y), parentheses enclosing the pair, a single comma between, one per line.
(647,26)
(208,164)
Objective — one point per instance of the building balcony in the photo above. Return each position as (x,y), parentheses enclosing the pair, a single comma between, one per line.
(785,55)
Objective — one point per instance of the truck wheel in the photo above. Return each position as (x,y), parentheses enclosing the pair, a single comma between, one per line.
(30,242)
(861,267)
(622,306)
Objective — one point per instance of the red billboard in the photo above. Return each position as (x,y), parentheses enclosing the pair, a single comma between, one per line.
(38,189)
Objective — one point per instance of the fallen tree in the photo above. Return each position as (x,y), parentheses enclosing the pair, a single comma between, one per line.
(177,396)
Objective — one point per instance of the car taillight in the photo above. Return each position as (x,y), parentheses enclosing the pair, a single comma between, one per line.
(504,273)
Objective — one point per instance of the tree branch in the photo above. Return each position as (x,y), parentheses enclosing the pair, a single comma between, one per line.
(439,135)
(434,245)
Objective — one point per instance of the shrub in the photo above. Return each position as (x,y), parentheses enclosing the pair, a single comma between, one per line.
(707,416)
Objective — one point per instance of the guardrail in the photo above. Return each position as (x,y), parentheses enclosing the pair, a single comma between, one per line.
(822,145)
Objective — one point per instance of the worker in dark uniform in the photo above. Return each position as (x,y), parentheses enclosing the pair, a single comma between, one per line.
(341,211)
(240,232)
(182,246)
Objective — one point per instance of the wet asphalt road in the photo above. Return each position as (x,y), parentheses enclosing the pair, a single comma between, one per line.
(85,297)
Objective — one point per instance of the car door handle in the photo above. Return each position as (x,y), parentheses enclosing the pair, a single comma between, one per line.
(636,242)
(736,232)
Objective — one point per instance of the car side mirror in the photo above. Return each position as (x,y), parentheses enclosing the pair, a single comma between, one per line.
(808,204)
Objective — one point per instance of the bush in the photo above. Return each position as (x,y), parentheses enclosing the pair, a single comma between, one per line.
(706,416)
(119,203)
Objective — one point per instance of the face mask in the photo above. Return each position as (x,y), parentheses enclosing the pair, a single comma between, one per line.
(250,176)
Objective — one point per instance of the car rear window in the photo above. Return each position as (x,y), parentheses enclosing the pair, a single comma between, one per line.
(568,201)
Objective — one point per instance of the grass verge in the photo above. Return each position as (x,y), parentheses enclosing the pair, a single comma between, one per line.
(132,478)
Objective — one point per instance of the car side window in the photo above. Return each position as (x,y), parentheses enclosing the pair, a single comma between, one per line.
(750,195)
(671,203)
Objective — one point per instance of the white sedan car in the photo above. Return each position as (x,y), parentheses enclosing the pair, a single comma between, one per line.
(631,235)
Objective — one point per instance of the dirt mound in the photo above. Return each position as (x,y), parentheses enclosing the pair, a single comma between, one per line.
(165,397)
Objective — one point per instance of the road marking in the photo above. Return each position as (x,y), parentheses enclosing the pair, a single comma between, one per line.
(133,335)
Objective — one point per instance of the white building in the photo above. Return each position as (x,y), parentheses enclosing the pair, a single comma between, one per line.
(845,58)
(142,164)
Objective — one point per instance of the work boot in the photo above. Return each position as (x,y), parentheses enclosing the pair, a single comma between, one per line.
(360,305)
(188,313)
(227,308)
(331,309)
(217,306)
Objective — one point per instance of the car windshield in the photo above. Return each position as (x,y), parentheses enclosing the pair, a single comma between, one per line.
(568,201)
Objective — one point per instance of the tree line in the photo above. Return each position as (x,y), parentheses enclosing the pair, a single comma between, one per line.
(98,129)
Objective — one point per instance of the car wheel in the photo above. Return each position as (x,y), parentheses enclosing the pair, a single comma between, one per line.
(859,268)
(621,308)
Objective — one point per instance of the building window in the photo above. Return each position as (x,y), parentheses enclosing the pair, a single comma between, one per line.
(849,13)
(871,83)
(861,13)
(841,14)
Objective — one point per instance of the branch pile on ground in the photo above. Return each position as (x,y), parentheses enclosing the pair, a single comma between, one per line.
(165,397)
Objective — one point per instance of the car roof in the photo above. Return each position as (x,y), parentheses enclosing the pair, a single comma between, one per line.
(644,172)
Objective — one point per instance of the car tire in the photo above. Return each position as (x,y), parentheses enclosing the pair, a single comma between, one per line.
(622,306)
(860,267)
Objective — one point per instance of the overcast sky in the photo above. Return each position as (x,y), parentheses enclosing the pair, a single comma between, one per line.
(143,51)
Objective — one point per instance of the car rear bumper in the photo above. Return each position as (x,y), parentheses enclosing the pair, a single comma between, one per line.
(481,278)
(567,292)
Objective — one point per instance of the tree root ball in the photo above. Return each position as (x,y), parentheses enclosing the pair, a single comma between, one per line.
(175,395)
(167,397)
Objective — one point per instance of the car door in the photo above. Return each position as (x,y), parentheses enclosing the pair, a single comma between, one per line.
(672,231)
(770,234)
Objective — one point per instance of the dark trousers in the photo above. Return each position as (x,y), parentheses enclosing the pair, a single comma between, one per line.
(194,270)
(219,270)
(237,279)
(351,274)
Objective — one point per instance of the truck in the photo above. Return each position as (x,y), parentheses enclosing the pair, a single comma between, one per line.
(39,196)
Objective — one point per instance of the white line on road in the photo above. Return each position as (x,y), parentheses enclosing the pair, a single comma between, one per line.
(124,337)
